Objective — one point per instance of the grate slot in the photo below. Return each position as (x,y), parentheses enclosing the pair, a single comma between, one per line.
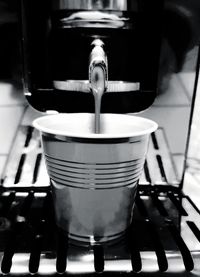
(28,136)
(48,210)
(146,172)
(62,248)
(154,169)
(135,256)
(98,258)
(154,140)
(11,247)
(39,143)
(8,254)
(194,229)
(177,204)
(158,204)
(34,260)
(160,161)
(38,240)
(20,168)
(186,255)
(157,244)
(159,249)
(36,168)
(161,167)
(25,208)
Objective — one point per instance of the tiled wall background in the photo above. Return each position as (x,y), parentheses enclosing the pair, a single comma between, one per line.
(172,109)
(12,105)
(192,176)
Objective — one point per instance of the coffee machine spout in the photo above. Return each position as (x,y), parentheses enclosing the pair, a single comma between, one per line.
(98,68)
(98,76)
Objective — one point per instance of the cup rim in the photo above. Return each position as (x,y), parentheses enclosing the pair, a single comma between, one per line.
(37,123)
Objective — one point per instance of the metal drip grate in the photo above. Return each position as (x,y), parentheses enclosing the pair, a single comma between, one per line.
(26,166)
(164,238)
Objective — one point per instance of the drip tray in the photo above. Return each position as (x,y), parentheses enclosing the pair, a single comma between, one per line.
(164,238)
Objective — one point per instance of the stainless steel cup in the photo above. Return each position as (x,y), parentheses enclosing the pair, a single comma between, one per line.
(94,176)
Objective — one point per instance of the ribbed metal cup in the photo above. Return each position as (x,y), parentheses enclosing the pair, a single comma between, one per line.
(94,176)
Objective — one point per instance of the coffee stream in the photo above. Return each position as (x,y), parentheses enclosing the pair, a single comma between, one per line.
(98,88)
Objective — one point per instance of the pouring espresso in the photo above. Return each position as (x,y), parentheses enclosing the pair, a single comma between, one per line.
(98,75)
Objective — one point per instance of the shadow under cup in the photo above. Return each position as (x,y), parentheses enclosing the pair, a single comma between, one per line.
(94,176)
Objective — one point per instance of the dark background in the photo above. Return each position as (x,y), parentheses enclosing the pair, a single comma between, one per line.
(181,32)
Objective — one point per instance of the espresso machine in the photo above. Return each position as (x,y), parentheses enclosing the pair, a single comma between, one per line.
(60,42)
(147,50)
